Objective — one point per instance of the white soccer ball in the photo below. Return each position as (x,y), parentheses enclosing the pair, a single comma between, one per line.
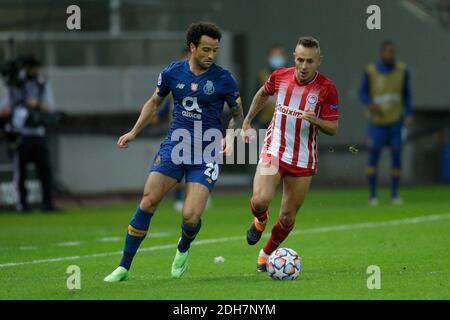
(219,259)
(284,264)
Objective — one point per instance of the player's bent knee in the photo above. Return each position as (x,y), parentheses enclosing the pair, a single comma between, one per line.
(191,221)
(287,220)
(148,204)
(260,203)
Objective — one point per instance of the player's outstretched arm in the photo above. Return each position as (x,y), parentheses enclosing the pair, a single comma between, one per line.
(258,102)
(148,111)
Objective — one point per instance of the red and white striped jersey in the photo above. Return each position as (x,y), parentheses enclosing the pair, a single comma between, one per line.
(290,138)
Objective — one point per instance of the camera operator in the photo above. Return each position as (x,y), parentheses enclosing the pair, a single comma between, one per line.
(29,106)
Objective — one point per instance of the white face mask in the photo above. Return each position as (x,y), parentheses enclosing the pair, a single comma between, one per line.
(276,62)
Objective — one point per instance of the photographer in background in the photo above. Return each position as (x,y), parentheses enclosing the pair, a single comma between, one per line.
(28,107)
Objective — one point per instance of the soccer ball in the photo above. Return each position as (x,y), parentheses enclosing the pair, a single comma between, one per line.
(284,264)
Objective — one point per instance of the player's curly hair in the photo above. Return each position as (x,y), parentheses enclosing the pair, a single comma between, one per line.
(199,29)
(309,42)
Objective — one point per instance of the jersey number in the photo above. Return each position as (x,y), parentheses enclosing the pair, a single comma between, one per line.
(212,171)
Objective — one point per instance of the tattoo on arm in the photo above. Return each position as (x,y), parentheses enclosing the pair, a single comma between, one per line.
(237,117)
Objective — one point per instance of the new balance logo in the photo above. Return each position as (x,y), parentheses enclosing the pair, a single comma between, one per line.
(180,86)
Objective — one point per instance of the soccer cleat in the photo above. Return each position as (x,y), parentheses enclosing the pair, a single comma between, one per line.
(255,231)
(179,264)
(373,202)
(397,201)
(120,274)
(261,265)
(261,268)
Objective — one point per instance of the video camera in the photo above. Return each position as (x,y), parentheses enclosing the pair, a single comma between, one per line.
(47,119)
(14,74)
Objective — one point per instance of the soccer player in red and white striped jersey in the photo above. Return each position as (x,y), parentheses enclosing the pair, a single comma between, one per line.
(306,102)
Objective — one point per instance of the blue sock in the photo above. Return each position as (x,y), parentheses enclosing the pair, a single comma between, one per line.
(178,193)
(374,156)
(137,230)
(395,173)
(188,235)
(372,180)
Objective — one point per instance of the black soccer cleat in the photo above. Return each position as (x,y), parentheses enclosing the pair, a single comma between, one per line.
(253,235)
(261,267)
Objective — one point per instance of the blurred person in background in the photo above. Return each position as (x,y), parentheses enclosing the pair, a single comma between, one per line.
(28,105)
(385,90)
(276,58)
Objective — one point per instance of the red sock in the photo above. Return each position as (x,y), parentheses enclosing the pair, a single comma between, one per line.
(279,233)
(260,215)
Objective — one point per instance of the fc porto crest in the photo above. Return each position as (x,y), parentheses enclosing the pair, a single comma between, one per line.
(194,86)
(208,88)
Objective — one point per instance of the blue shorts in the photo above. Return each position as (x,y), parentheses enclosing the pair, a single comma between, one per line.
(381,136)
(204,173)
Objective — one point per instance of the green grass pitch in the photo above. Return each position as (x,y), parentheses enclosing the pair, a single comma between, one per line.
(337,236)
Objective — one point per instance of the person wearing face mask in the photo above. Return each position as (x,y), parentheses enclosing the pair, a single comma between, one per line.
(28,104)
(385,90)
(276,58)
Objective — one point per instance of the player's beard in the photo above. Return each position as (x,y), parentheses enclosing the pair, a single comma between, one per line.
(205,65)
(202,64)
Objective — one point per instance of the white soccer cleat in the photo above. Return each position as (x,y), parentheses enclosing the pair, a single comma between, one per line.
(373,202)
(397,201)
(119,274)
